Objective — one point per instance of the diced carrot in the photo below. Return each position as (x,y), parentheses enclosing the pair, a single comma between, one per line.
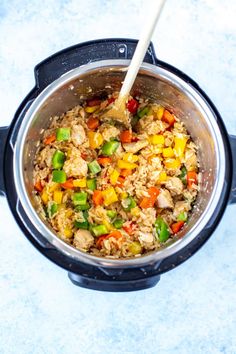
(121,180)
(191,178)
(148,202)
(84,155)
(116,234)
(128,228)
(126,136)
(168,117)
(50,139)
(68,184)
(177,226)
(97,197)
(125,172)
(104,160)
(94,102)
(93,123)
(100,241)
(38,186)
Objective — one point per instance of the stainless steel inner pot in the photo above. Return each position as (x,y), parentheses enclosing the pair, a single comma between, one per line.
(155,83)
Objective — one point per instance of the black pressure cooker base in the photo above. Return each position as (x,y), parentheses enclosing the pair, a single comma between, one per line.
(113,285)
(84,275)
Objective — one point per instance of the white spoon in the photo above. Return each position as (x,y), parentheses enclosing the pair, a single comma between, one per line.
(119,112)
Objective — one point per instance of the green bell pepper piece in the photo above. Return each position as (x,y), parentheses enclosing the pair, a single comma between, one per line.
(110,147)
(128,203)
(79,198)
(111,214)
(183,175)
(58,176)
(94,167)
(52,209)
(99,230)
(84,225)
(143,111)
(62,134)
(118,223)
(182,216)
(82,207)
(91,184)
(58,159)
(162,230)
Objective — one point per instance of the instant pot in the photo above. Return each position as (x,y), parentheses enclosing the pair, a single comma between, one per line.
(97,68)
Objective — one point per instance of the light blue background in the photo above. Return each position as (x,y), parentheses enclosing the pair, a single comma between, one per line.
(193,309)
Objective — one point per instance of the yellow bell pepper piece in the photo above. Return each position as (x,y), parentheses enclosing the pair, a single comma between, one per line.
(69,213)
(158,112)
(67,232)
(57,197)
(54,186)
(109,196)
(179,147)
(108,225)
(95,139)
(114,177)
(129,157)
(135,211)
(91,109)
(44,196)
(172,163)
(162,177)
(123,195)
(79,182)
(157,140)
(168,152)
(126,165)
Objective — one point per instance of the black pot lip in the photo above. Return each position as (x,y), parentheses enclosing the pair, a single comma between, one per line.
(223,130)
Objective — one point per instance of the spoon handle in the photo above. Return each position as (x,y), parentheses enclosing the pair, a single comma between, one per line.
(141,48)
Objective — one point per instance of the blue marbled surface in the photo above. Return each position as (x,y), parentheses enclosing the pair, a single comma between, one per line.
(193,308)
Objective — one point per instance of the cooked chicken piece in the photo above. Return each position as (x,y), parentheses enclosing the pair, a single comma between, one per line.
(181,207)
(108,131)
(164,199)
(135,147)
(190,160)
(78,135)
(175,185)
(45,156)
(76,167)
(83,240)
(146,238)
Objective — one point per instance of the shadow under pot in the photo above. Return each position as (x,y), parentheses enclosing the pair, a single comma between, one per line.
(97,68)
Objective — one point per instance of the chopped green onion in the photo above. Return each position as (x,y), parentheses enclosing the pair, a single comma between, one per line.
(85,215)
(82,207)
(162,230)
(79,198)
(82,225)
(128,203)
(58,176)
(118,223)
(58,159)
(111,214)
(134,120)
(143,111)
(99,230)
(94,167)
(182,216)
(52,209)
(183,175)
(62,134)
(110,147)
(92,184)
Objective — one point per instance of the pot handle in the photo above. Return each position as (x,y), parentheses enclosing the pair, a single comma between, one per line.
(232,198)
(80,54)
(3,138)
